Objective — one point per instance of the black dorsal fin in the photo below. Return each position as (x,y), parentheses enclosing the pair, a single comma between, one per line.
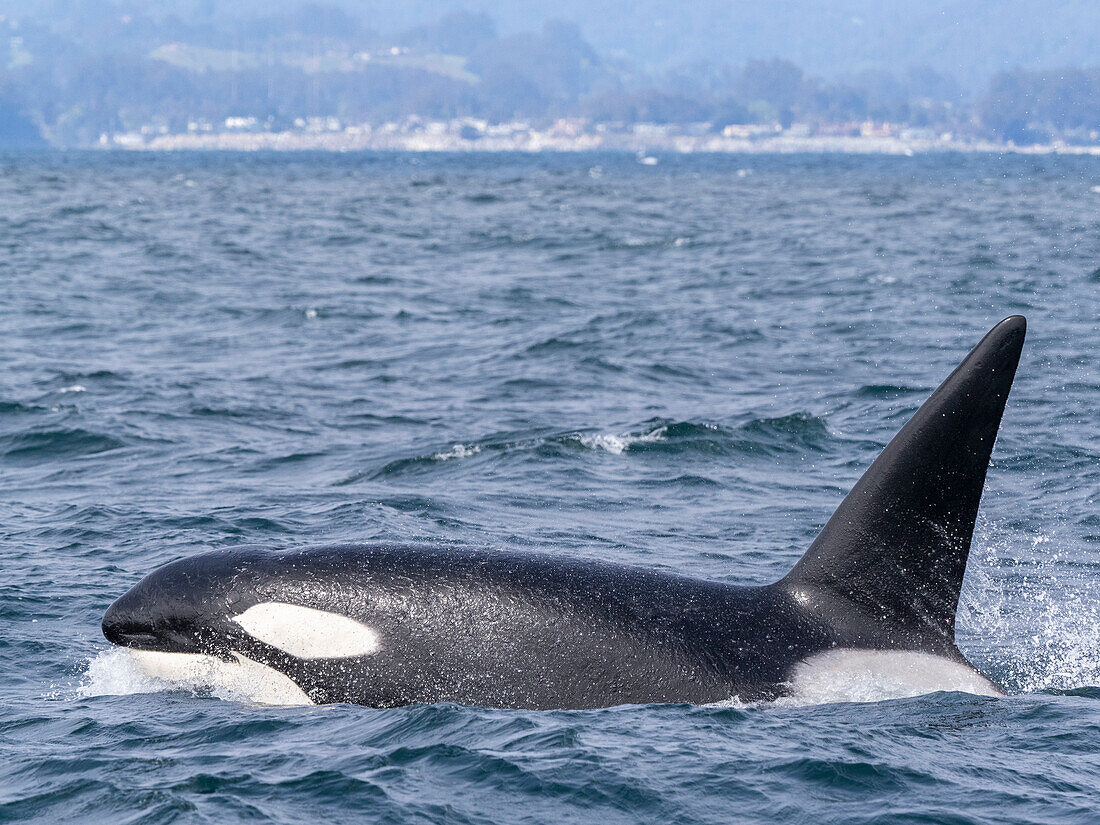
(897,546)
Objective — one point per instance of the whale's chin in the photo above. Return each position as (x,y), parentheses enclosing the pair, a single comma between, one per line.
(235,676)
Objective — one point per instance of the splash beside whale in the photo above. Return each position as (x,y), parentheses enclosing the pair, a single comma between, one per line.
(384,625)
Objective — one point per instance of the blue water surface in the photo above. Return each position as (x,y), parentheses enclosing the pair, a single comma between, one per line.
(682,366)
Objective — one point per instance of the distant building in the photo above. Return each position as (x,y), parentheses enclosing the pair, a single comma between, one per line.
(240,123)
(877,130)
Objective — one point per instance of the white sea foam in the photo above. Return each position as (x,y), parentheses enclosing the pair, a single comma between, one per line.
(74,388)
(618,444)
(122,672)
(457,451)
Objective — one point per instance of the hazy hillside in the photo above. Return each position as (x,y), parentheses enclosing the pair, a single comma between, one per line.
(78,71)
(970,39)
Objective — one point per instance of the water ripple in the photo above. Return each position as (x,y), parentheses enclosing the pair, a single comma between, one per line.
(685,372)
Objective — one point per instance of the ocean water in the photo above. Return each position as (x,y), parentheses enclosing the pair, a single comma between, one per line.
(681,366)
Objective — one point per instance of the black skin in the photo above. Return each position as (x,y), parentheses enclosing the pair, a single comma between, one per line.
(535,631)
(491,628)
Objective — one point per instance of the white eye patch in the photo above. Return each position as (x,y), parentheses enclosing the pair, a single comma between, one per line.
(308,633)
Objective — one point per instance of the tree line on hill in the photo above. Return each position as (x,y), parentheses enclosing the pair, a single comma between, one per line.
(321,62)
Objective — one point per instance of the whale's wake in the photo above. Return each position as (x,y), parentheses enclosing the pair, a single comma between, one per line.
(1034,613)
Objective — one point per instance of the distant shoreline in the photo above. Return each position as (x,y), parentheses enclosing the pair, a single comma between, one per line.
(534,142)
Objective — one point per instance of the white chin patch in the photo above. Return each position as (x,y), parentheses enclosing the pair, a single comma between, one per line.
(307,633)
(848,675)
(241,680)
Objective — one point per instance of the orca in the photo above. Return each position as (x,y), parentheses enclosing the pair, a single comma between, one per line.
(385,626)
